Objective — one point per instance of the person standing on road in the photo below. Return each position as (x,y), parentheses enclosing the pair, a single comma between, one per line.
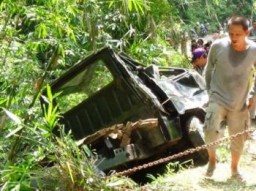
(200,42)
(252,30)
(199,59)
(227,76)
(207,46)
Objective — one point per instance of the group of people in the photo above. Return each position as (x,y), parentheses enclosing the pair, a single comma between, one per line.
(227,70)
(199,30)
(200,52)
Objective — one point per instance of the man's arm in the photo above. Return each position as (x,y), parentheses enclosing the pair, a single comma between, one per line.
(209,67)
(252,94)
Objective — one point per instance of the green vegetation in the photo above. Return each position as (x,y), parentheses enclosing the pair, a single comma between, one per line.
(41,39)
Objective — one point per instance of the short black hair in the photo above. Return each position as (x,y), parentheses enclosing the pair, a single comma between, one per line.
(239,20)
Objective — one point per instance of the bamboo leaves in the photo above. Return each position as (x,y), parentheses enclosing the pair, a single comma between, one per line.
(51,114)
(140,6)
(16,120)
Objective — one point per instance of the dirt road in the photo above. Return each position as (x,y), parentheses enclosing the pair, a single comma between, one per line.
(193,179)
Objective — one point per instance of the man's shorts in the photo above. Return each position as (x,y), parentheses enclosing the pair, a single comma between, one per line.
(236,121)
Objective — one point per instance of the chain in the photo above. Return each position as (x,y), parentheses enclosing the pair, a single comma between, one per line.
(181,154)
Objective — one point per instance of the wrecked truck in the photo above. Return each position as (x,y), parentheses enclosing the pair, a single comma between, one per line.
(127,112)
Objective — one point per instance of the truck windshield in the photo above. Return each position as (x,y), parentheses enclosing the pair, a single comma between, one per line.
(82,86)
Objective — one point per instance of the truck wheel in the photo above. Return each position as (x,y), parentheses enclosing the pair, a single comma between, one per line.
(196,137)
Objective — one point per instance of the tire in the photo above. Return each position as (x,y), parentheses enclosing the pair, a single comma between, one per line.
(195,135)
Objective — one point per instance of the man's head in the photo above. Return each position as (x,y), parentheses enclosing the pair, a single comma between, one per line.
(200,42)
(199,58)
(238,31)
(240,21)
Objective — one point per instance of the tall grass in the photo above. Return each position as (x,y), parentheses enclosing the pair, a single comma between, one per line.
(34,158)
